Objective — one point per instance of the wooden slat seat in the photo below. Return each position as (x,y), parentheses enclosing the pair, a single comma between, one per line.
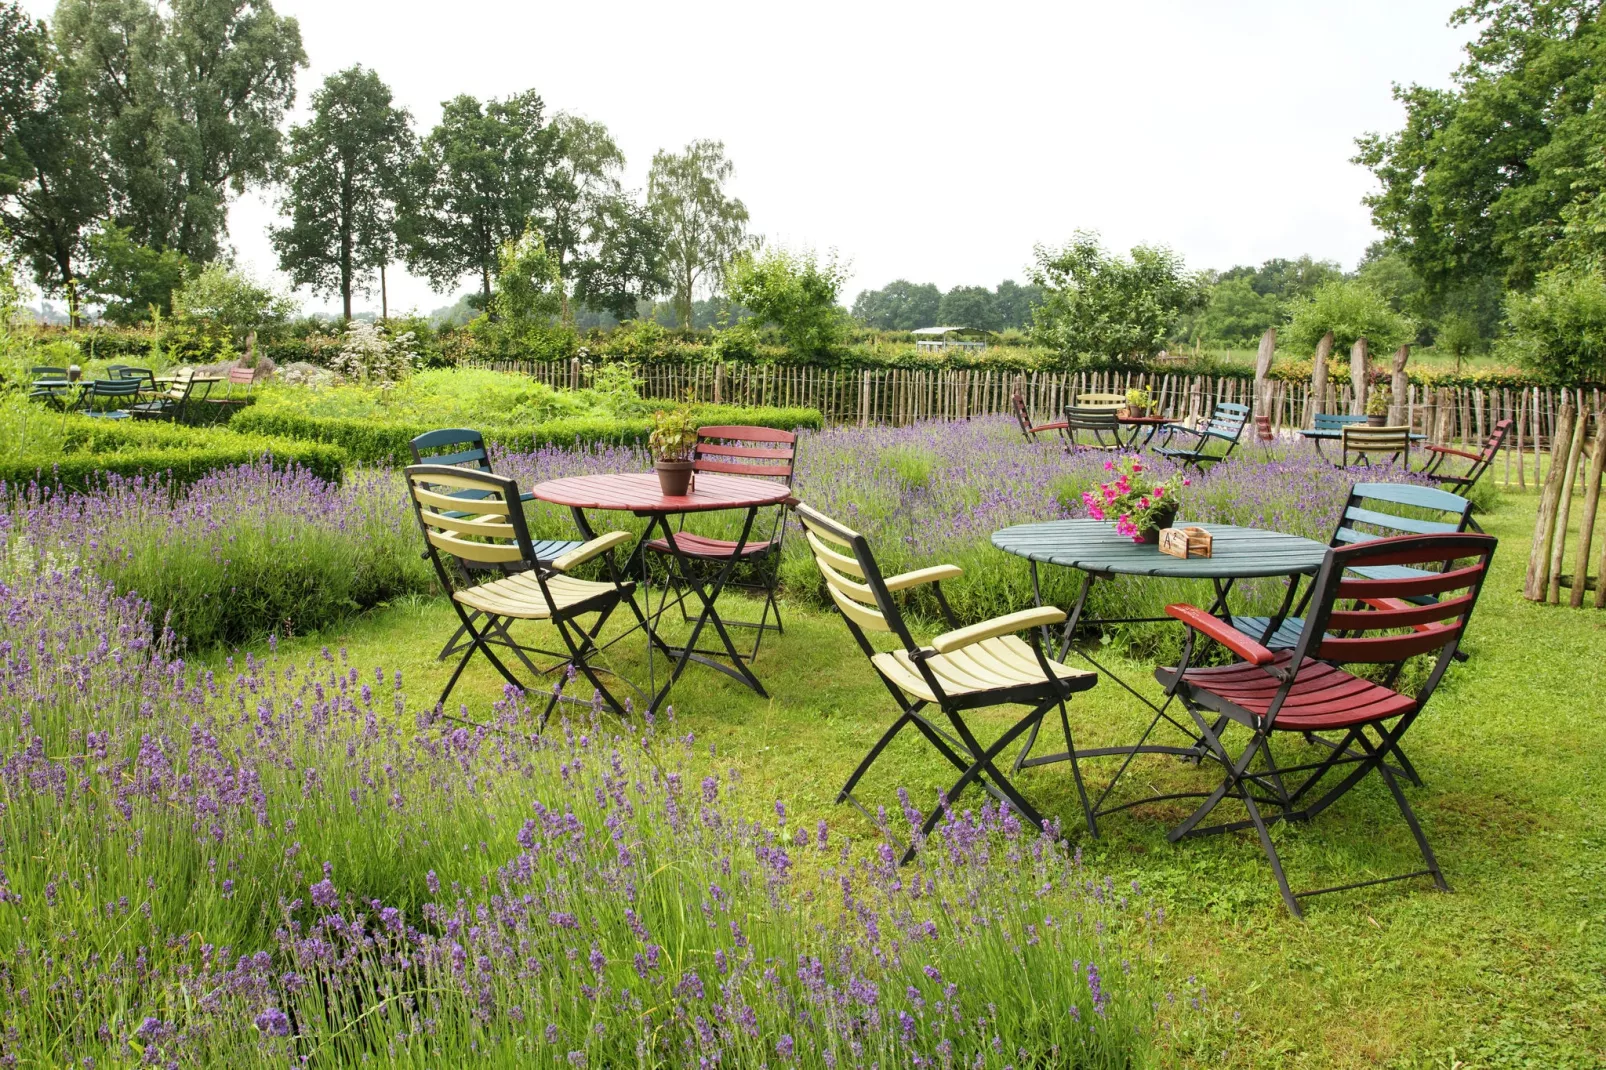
(519,596)
(711,549)
(1005,661)
(1323,696)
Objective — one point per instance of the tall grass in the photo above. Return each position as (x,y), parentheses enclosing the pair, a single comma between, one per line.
(283,867)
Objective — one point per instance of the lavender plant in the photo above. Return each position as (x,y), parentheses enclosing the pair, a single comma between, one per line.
(284,867)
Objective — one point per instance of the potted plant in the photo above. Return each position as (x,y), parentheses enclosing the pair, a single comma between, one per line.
(673,438)
(1139,504)
(1377,407)
(1139,402)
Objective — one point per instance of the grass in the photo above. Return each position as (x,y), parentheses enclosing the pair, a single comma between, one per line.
(1507,971)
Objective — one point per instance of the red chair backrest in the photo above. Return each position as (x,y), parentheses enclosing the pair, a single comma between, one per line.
(1496,437)
(740,450)
(242,376)
(1263,429)
(1386,621)
(1022,417)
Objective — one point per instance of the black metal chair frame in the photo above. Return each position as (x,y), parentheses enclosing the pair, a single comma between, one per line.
(1332,637)
(739,450)
(505,551)
(58,396)
(866,602)
(464,448)
(168,404)
(1226,424)
(1481,461)
(106,388)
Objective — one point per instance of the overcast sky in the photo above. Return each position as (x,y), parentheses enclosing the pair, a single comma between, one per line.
(938,141)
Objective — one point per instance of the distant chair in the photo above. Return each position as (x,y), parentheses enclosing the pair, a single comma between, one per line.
(1097,421)
(1024,418)
(1264,435)
(168,404)
(1101,401)
(50,385)
(1366,442)
(1334,421)
(1481,461)
(101,389)
(146,377)
(1221,433)
(244,379)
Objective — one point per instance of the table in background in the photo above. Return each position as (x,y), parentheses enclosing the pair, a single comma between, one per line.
(1335,434)
(640,494)
(1140,424)
(1094,548)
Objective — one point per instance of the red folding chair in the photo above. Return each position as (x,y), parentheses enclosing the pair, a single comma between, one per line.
(1307,690)
(1482,461)
(1024,418)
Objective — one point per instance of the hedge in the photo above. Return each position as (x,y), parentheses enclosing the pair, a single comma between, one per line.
(185,464)
(375,442)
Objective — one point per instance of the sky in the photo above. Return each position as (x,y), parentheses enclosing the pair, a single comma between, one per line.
(936,141)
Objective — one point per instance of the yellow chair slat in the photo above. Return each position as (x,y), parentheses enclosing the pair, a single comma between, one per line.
(857,591)
(841,562)
(468,525)
(465,481)
(493,505)
(489,553)
(860,615)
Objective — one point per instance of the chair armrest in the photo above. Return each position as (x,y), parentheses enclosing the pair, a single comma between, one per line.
(586,551)
(904,580)
(1008,624)
(1168,428)
(1221,632)
(1057,425)
(1453,452)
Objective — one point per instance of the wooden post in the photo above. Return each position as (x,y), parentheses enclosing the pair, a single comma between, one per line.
(1358,372)
(1575,450)
(1586,523)
(1318,377)
(1398,386)
(1268,348)
(1537,580)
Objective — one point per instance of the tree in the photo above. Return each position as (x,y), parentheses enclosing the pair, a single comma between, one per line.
(344,169)
(703,228)
(625,264)
(51,189)
(129,279)
(1236,314)
(795,292)
(899,306)
(476,182)
(1102,305)
(186,101)
(970,306)
(1350,309)
(1014,304)
(581,193)
(1559,328)
(231,302)
(1477,182)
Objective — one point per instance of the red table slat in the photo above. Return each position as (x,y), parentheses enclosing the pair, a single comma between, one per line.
(641,493)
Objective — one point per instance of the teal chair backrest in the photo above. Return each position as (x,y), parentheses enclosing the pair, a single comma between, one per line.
(1333,421)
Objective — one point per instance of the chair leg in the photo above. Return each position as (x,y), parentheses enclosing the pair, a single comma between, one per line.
(1406,812)
(483,647)
(875,752)
(1271,851)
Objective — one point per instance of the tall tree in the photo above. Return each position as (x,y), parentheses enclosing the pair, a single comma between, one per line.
(51,187)
(582,186)
(344,171)
(476,182)
(625,263)
(1014,303)
(703,227)
(900,305)
(186,99)
(1109,306)
(970,306)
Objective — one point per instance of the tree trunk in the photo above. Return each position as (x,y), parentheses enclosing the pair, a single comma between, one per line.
(1358,371)
(384,298)
(1268,348)
(563,293)
(1399,386)
(1318,376)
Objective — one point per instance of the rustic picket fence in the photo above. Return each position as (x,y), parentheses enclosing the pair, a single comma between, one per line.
(1460,416)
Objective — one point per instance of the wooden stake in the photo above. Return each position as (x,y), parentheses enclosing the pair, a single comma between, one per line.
(1575,449)
(1398,386)
(1318,377)
(1358,372)
(1268,348)
(1538,578)
(1586,523)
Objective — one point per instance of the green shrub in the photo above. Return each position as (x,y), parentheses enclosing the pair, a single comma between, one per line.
(369,441)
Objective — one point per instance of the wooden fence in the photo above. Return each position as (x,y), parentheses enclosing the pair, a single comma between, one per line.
(1448,415)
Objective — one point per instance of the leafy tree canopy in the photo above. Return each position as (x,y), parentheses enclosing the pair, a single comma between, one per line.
(230,301)
(1349,308)
(128,280)
(1558,329)
(794,291)
(581,192)
(625,264)
(1235,313)
(703,227)
(1097,304)
(1477,182)
(899,306)
(970,306)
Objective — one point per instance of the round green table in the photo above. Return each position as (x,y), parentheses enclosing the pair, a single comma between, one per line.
(1093,548)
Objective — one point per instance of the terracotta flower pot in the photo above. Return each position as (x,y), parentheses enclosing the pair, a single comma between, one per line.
(674,477)
(1378,420)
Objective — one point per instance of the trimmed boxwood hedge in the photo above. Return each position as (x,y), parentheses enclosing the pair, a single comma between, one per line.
(377,443)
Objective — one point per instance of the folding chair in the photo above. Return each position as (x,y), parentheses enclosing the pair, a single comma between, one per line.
(245,379)
(495,545)
(1481,461)
(1024,418)
(465,448)
(741,450)
(107,388)
(1364,441)
(1265,437)
(1097,421)
(979,667)
(168,404)
(46,384)
(1226,424)
(1307,691)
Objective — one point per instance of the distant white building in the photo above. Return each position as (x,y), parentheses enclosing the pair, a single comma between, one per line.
(951,338)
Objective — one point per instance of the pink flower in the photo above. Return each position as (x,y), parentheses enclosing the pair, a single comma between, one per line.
(1095,512)
(1109,466)
(1137,466)
(1143,503)
(1159,491)
(1187,482)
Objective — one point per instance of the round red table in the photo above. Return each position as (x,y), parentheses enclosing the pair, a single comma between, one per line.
(640,494)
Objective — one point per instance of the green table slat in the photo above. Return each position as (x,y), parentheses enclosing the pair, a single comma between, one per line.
(1093,546)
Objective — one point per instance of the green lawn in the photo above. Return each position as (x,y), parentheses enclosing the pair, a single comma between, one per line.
(1508,971)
